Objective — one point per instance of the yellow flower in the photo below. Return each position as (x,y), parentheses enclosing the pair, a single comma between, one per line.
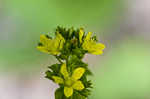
(91,46)
(51,46)
(70,82)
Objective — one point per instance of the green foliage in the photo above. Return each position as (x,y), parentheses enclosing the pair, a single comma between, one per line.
(54,70)
(59,93)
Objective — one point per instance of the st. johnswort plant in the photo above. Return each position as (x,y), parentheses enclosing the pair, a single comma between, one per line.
(69,47)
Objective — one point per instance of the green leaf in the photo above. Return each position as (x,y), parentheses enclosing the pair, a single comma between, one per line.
(70,32)
(86,92)
(59,93)
(55,68)
(48,74)
(77,95)
(62,31)
(78,52)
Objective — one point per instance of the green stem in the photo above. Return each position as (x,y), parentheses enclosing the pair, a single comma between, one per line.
(67,60)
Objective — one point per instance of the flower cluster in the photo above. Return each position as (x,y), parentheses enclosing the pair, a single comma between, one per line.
(69,47)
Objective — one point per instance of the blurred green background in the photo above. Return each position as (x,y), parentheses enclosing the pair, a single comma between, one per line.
(122,72)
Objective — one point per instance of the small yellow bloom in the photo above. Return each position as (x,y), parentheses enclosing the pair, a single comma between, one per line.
(72,82)
(91,46)
(51,46)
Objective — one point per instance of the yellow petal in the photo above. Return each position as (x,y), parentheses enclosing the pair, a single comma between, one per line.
(47,50)
(77,74)
(78,85)
(97,49)
(44,40)
(81,33)
(64,71)
(59,40)
(51,46)
(42,49)
(93,48)
(96,52)
(88,36)
(61,44)
(59,36)
(55,52)
(58,80)
(68,91)
(85,45)
(47,45)
(100,46)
